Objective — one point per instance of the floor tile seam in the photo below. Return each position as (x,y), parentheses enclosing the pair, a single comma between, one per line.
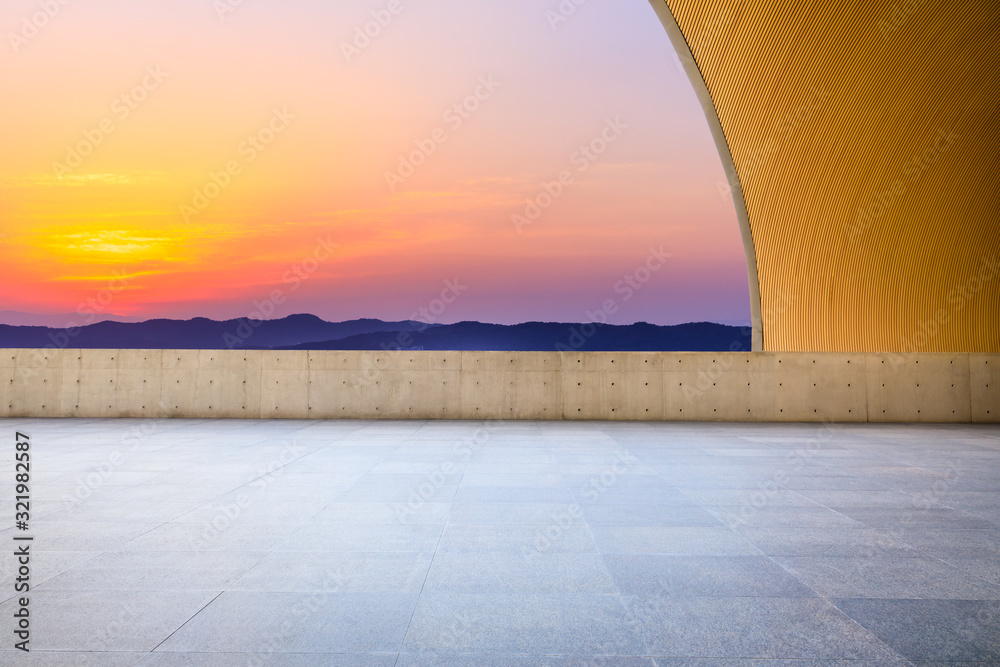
(264,555)
(266,474)
(855,622)
(182,625)
(965,572)
(281,542)
(829,602)
(427,573)
(897,558)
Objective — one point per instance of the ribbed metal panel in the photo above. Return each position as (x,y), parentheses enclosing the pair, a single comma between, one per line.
(825,106)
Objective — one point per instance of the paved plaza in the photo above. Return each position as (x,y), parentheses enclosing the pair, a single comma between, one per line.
(222,543)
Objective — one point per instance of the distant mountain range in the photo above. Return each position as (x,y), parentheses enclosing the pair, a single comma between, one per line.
(20,319)
(308,332)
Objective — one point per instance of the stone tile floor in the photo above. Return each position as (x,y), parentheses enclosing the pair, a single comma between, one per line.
(217,543)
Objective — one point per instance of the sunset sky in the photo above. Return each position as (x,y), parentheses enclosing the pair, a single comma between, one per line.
(195,157)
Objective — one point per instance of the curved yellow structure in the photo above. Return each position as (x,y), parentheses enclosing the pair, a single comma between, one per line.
(862,146)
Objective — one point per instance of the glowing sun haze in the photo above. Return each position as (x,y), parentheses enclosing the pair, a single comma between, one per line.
(202,161)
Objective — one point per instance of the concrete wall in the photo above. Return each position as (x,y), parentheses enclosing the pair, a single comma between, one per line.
(490,385)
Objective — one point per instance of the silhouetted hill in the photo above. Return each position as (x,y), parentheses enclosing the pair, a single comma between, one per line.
(308,332)
(58,321)
(544,336)
(198,333)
